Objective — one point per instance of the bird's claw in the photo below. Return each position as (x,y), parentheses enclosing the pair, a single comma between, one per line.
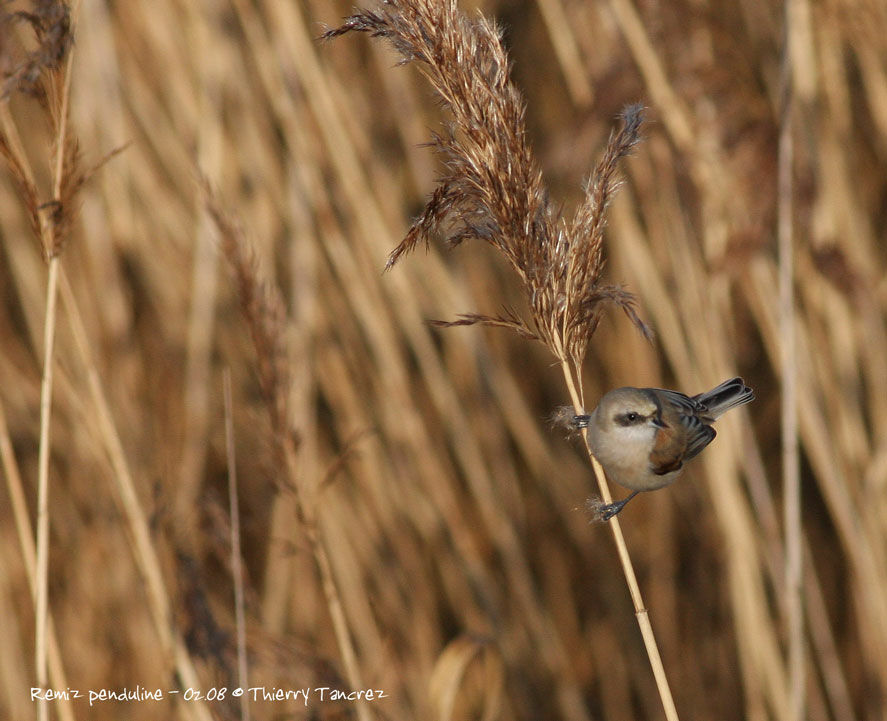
(580,421)
(605,511)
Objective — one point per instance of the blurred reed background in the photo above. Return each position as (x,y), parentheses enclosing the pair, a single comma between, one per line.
(451,514)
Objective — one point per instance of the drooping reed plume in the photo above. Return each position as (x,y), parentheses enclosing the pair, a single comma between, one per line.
(492,190)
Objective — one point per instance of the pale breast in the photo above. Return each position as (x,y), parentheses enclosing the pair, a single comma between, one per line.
(624,452)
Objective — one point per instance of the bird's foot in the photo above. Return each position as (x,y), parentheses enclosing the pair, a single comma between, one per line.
(605,511)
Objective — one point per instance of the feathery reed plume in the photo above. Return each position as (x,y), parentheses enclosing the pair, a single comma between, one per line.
(42,74)
(263,309)
(492,190)
(51,22)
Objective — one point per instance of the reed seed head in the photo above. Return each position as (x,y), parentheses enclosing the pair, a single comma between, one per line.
(491,188)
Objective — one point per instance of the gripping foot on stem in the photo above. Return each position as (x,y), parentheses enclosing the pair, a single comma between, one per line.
(605,511)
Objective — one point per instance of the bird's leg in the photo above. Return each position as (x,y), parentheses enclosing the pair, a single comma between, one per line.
(609,510)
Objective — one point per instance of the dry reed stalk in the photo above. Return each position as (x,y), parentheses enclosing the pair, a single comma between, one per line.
(281,106)
(662,92)
(358,282)
(263,311)
(860,546)
(405,502)
(202,305)
(757,619)
(143,549)
(822,639)
(698,360)
(236,565)
(361,283)
(567,51)
(46,73)
(361,277)
(41,601)
(25,534)
(791,476)
(492,191)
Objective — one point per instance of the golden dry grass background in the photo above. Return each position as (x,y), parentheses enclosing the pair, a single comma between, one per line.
(451,513)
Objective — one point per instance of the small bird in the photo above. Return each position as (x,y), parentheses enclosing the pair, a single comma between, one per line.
(643,436)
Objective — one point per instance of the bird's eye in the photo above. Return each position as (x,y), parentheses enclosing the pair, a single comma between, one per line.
(629,418)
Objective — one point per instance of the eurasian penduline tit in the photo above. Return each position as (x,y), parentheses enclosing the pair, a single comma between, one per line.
(644,436)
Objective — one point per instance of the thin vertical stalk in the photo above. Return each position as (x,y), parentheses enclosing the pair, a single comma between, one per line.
(24,531)
(789,415)
(41,601)
(52,249)
(236,565)
(261,306)
(328,585)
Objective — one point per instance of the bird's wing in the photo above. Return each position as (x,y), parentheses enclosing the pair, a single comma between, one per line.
(672,449)
(669,450)
(699,435)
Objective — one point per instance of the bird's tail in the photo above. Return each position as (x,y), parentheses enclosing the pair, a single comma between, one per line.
(730,394)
